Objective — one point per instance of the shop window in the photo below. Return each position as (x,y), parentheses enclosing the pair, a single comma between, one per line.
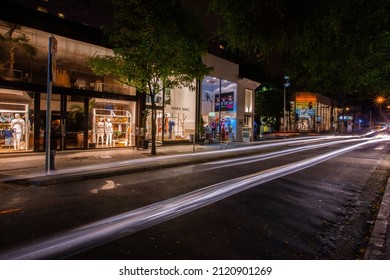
(248,101)
(16,133)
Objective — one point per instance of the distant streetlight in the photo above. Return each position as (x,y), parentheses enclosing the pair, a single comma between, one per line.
(380,100)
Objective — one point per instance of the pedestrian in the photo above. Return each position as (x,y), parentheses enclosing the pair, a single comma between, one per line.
(55,135)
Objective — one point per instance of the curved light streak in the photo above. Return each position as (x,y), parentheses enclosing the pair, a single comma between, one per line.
(106,230)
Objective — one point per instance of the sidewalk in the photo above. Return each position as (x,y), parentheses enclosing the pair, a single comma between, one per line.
(87,164)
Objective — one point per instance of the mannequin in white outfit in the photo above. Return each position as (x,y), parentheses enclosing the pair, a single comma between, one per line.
(109,130)
(18,126)
(100,131)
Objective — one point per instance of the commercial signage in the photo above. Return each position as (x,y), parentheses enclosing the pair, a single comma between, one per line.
(306,106)
(225,102)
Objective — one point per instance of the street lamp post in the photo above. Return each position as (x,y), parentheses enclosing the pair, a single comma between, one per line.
(379,100)
(286,84)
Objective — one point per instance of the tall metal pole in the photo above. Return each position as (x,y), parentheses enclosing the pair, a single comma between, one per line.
(51,68)
(284,111)
(219,113)
(48,108)
(286,84)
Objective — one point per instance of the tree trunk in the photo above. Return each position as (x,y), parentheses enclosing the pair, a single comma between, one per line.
(11,62)
(154,116)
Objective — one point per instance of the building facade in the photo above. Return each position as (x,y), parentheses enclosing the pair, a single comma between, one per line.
(313,112)
(96,112)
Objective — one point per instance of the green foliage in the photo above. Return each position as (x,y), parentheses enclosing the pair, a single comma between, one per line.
(269,105)
(329,46)
(157,44)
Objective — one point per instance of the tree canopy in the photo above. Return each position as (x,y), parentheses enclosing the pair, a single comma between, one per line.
(325,45)
(157,45)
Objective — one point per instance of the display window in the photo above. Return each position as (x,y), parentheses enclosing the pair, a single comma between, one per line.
(219,109)
(15,127)
(112,123)
(176,120)
(312,112)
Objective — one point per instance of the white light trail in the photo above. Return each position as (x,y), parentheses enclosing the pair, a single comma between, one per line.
(82,170)
(253,158)
(109,229)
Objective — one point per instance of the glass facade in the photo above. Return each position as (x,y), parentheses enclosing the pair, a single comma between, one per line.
(313,112)
(175,115)
(219,109)
(16,110)
(79,98)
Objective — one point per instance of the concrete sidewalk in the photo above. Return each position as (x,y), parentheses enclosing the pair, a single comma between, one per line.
(87,164)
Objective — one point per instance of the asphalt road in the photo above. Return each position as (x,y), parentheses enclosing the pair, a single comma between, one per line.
(323,212)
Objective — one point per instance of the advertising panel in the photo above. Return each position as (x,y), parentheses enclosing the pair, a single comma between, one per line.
(226,102)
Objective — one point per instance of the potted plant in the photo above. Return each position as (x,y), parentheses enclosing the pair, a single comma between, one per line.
(10,42)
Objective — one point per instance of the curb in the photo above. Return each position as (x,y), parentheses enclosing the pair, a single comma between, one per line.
(69,175)
(378,245)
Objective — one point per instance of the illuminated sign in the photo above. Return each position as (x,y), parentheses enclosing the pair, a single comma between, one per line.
(305,105)
(225,103)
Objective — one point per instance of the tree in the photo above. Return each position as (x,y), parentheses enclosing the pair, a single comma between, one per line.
(329,46)
(346,51)
(157,45)
(11,43)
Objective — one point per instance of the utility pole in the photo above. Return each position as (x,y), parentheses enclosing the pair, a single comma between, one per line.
(286,84)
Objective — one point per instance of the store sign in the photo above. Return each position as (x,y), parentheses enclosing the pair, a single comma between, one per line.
(53,52)
(177,108)
(306,106)
(225,102)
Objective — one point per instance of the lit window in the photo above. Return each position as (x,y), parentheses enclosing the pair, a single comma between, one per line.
(61,15)
(42,9)
(248,101)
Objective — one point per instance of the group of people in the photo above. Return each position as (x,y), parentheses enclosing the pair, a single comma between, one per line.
(104,128)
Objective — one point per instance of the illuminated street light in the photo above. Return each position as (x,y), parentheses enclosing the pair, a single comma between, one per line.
(379,100)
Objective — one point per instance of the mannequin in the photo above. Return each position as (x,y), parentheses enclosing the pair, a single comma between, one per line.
(18,126)
(109,130)
(100,131)
(171,124)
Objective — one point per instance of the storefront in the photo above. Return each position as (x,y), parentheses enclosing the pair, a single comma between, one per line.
(313,112)
(225,107)
(95,112)
(175,115)
(219,109)
(15,125)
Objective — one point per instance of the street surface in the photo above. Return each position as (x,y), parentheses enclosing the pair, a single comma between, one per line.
(297,206)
